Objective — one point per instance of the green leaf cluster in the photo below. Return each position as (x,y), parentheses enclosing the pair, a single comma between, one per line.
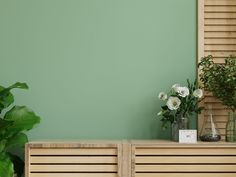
(188,106)
(220,79)
(13,125)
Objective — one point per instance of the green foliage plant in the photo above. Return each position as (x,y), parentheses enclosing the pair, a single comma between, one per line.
(220,79)
(14,122)
(180,101)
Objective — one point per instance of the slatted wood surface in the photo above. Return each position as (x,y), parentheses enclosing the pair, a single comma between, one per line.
(79,160)
(182,160)
(216,37)
(128,158)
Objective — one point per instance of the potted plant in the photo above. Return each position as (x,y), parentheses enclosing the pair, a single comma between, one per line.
(220,79)
(180,103)
(14,122)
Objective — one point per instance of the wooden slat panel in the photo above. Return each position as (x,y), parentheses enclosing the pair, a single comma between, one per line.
(73,159)
(219,40)
(220,9)
(82,151)
(185,159)
(216,106)
(73,175)
(220,53)
(220,21)
(185,168)
(220,34)
(185,174)
(73,168)
(210,99)
(218,118)
(220,2)
(218,112)
(220,28)
(221,47)
(185,151)
(220,15)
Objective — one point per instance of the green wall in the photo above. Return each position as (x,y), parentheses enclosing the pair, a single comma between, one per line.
(95,67)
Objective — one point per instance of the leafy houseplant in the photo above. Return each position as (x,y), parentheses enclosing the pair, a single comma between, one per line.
(14,122)
(180,103)
(220,79)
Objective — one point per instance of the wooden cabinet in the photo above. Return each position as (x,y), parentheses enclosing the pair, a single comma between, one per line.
(130,159)
(166,159)
(73,159)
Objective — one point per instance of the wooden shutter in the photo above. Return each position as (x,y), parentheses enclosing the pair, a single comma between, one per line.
(73,160)
(156,159)
(217,37)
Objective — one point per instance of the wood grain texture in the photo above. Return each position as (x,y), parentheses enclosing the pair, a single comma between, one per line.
(219,32)
(73,168)
(173,159)
(185,159)
(74,151)
(126,159)
(74,158)
(185,174)
(231,15)
(185,168)
(213,8)
(132,158)
(73,175)
(220,2)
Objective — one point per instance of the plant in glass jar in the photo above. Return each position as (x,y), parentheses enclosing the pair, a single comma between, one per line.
(220,80)
(180,103)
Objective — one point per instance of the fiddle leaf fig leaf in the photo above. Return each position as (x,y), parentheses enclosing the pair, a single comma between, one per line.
(2,145)
(6,98)
(18,140)
(13,124)
(6,166)
(4,124)
(18,164)
(23,119)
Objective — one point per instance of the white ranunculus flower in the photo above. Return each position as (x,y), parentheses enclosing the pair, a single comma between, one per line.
(173,103)
(162,96)
(183,91)
(198,93)
(175,87)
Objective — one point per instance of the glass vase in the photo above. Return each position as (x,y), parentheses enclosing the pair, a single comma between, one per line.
(209,132)
(182,123)
(230,127)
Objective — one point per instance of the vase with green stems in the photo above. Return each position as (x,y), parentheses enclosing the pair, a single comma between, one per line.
(220,80)
(181,102)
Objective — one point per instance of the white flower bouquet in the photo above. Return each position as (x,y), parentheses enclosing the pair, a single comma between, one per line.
(181,101)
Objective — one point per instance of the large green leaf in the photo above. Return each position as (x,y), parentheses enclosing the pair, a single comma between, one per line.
(6,166)
(18,164)
(2,145)
(18,140)
(4,124)
(23,119)
(16,85)
(6,98)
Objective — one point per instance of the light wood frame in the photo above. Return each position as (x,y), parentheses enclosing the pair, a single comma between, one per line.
(144,158)
(217,37)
